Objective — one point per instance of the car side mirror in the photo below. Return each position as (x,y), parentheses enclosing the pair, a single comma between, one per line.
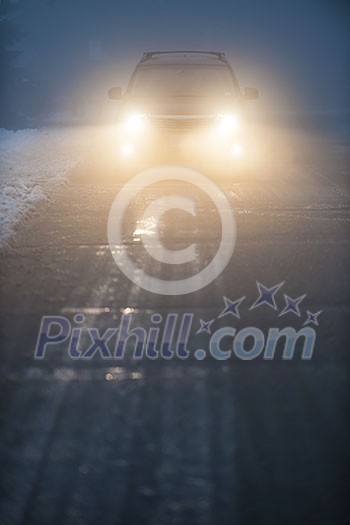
(250,93)
(115,93)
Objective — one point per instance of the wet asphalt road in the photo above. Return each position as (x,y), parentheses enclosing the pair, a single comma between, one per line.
(179,441)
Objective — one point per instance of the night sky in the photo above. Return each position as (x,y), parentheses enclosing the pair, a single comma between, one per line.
(296,53)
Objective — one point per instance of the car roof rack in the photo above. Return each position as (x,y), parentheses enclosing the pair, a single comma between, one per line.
(150,54)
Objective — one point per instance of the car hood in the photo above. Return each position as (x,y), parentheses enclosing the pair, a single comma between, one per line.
(179,105)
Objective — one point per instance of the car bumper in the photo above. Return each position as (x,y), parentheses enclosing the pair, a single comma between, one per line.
(192,147)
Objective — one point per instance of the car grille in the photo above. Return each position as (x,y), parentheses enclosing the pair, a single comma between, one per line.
(181,122)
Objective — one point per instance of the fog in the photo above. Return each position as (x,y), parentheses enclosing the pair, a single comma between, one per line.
(69,53)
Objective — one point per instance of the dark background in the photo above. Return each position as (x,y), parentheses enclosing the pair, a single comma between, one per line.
(62,55)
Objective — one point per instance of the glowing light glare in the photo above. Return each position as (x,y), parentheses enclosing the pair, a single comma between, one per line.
(136,122)
(228,122)
(127,150)
(237,150)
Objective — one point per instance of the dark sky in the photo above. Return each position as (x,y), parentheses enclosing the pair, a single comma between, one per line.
(296,53)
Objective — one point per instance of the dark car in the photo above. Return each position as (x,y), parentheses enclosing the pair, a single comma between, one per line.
(183,107)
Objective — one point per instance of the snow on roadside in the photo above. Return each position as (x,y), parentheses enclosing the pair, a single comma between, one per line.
(33,163)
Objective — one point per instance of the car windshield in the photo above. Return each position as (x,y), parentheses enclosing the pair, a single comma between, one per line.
(183,81)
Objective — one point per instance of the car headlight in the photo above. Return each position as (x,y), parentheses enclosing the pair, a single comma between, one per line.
(127,150)
(136,122)
(228,123)
(237,150)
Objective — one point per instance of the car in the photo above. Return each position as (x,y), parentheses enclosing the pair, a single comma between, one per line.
(183,107)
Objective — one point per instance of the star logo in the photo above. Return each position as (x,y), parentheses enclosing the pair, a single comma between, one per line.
(292,305)
(266,295)
(312,318)
(231,307)
(205,326)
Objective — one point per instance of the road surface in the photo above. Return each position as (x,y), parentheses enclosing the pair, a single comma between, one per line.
(141,441)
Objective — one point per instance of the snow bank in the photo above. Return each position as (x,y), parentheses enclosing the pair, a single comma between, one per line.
(33,163)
